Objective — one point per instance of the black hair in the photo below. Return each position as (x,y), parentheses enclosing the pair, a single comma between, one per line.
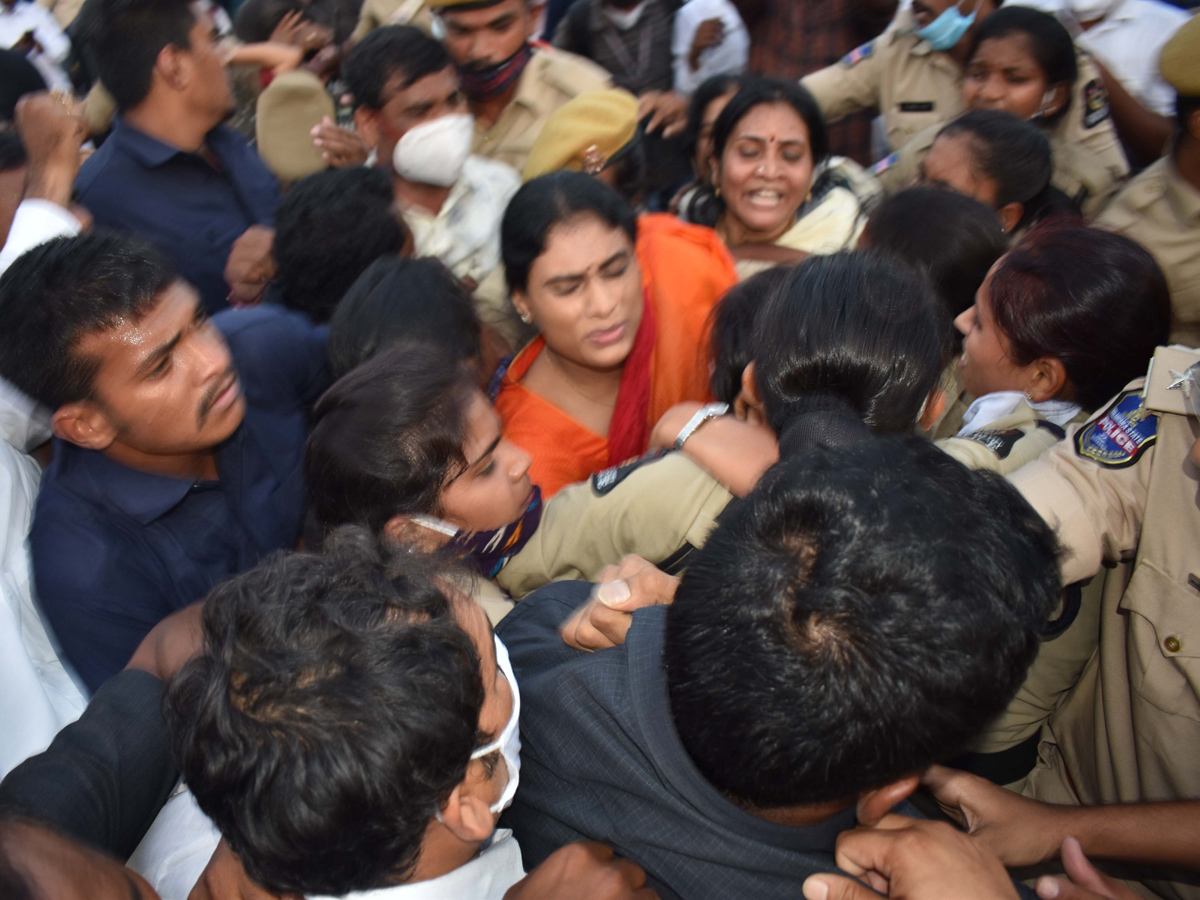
(334,709)
(12,149)
(18,77)
(328,229)
(731,344)
(57,293)
(1184,107)
(387,437)
(399,299)
(708,91)
(1092,299)
(856,325)
(756,91)
(551,200)
(387,52)
(832,636)
(125,37)
(953,238)
(1049,42)
(628,168)
(1009,151)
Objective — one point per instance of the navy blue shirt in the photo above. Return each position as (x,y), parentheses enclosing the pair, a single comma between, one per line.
(179,201)
(115,550)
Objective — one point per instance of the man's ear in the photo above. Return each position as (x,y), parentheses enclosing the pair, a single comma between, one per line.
(402,530)
(1048,379)
(935,405)
(171,66)
(1010,215)
(467,815)
(873,805)
(537,19)
(366,123)
(84,425)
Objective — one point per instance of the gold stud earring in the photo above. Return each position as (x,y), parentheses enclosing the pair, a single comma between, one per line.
(526,318)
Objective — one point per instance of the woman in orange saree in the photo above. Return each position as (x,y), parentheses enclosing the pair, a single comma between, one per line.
(618,346)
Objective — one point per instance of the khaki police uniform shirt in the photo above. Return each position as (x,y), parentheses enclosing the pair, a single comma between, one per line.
(375,13)
(661,508)
(1122,488)
(551,78)
(1161,211)
(1007,443)
(911,84)
(915,87)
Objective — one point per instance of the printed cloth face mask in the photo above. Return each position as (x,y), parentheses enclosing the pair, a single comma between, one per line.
(490,549)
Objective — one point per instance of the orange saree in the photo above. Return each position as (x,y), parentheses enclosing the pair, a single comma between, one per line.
(685,270)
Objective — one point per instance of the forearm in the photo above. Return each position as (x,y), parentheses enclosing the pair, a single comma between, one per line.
(735,453)
(1155,834)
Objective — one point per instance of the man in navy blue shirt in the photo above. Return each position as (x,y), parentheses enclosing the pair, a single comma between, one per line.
(170,172)
(178,438)
(829,642)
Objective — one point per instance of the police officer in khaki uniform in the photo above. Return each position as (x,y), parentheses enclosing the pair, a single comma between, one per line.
(512,85)
(916,87)
(1124,488)
(1160,208)
(912,85)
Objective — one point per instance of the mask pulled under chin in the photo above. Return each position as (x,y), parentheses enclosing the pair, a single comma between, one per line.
(490,550)
(435,152)
(483,84)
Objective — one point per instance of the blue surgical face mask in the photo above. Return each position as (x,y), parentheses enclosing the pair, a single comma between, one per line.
(947,29)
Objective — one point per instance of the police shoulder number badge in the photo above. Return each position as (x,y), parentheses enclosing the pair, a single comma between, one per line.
(1121,435)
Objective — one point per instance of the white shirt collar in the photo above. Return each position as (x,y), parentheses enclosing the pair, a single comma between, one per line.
(994,406)
(487,877)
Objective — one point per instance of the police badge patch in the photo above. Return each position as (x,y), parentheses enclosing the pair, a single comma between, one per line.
(1095,104)
(1121,435)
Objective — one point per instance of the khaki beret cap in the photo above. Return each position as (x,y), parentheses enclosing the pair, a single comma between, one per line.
(584,133)
(1179,61)
(292,104)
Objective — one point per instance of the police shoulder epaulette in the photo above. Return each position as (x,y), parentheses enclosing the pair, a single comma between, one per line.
(1118,437)
(604,481)
(999,442)
(858,54)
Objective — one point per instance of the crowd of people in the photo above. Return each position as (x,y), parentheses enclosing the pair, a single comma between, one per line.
(599,449)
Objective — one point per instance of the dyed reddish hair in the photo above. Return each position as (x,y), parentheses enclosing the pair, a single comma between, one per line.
(1094,300)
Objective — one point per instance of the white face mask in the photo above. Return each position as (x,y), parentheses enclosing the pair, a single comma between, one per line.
(1091,10)
(435,152)
(625,19)
(509,741)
